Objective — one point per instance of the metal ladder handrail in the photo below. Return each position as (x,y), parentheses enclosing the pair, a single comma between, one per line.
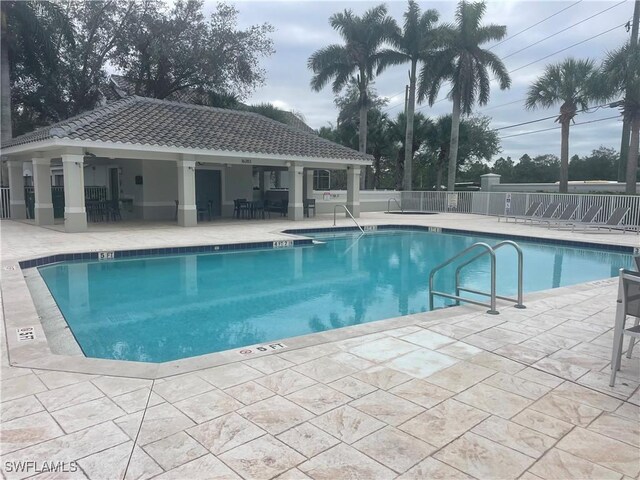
(348,213)
(397,203)
(492,305)
(519,301)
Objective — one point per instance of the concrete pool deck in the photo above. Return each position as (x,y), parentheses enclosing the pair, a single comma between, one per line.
(454,393)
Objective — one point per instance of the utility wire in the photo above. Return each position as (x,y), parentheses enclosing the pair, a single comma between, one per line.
(534,25)
(556,128)
(563,30)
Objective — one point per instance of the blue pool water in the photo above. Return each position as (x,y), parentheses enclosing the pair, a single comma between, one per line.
(163,308)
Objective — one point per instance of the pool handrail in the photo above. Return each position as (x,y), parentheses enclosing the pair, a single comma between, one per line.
(492,305)
(519,301)
(348,213)
(397,203)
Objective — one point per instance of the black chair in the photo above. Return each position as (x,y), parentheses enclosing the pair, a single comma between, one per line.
(309,204)
(284,208)
(113,210)
(258,209)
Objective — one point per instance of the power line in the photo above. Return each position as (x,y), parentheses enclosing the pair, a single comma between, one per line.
(564,30)
(501,105)
(556,128)
(534,25)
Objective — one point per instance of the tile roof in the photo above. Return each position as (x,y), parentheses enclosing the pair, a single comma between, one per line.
(147,121)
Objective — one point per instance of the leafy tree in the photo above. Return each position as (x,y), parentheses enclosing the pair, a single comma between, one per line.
(574,84)
(397,131)
(465,64)
(358,58)
(504,168)
(164,52)
(419,37)
(472,171)
(600,165)
(621,70)
(540,169)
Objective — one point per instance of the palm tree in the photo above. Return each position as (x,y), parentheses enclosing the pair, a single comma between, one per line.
(419,36)
(462,62)
(397,131)
(27,34)
(358,58)
(620,67)
(574,84)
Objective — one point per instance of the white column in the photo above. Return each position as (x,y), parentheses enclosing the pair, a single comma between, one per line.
(75,214)
(43,208)
(353,190)
(187,214)
(295,193)
(308,183)
(16,190)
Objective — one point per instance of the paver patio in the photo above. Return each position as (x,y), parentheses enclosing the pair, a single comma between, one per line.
(462,395)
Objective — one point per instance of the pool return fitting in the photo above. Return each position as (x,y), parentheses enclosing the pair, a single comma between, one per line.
(491,251)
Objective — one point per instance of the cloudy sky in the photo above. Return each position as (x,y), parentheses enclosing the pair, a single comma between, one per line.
(302,27)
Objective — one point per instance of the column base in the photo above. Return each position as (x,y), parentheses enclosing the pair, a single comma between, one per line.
(44,215)
(295,212)
(18,211)
(75,222)
(187,218)
(354,208)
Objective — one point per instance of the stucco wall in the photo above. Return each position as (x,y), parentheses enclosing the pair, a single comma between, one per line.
(160,190)
(237,182)
(370,200)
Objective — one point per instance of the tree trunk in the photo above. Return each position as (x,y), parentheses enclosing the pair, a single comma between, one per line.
(408,141)
(5,87)
(624,150)
(632,160)
(453,145)
(564,156)
(399,171)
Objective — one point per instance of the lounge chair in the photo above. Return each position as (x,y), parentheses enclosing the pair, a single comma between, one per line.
(533,208)
(548,213)
(614,220)
(588,217)
(628,305)
(566,214)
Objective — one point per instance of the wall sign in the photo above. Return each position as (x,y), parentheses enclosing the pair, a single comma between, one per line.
(507,204)
(25,333)
(283,243)
(106,255)
(262,348)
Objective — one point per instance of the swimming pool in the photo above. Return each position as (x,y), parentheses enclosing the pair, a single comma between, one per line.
(163,308)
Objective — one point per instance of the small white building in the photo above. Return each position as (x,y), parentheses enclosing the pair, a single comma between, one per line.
(159,160)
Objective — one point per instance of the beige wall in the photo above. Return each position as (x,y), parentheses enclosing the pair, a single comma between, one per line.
(237,182)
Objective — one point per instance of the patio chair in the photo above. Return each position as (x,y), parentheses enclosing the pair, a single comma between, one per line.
(566,214)
(309,204)
(628,305)
(533,208)
(588,217)
(614,220)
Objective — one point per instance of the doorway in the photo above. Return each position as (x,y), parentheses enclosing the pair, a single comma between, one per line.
(209,191)
(114,184)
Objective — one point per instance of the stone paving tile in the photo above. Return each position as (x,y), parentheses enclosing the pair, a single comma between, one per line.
(540,377)
(318,398)
(429,340)
(382,377)
(441,424)
(347,424)
(225,433)
(421,363)
(249,392)
(433,469)
(269,364)
(21,386)
(229,375)
(517,385)
(496,362)
(557,464)
(20,407)
(394,448)
(179,388)
(113,462)
(68,396)
(207,466)
(176,450)
(383,349)
(324,369)
(293,474)
(514,436)
(308,439)
(386,407)
(460,376)
(113,386)
(285,382)
(618,428)
(422,393)
(460,350)
(482,458)
(206,406)
(275,414)
(542,423)
(566,409)
(137,400)
(587,396)
(579,359)
(343,461)
(307,354)
(352,386)
(83,415)
(262,458)
(54,379)
(25,431)
(159,422)
(602,450)
(493,400)
(520,353)
(600,381)
(560,369)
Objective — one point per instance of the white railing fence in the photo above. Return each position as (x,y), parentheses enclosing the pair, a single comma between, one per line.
(4,202)
(493,203)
